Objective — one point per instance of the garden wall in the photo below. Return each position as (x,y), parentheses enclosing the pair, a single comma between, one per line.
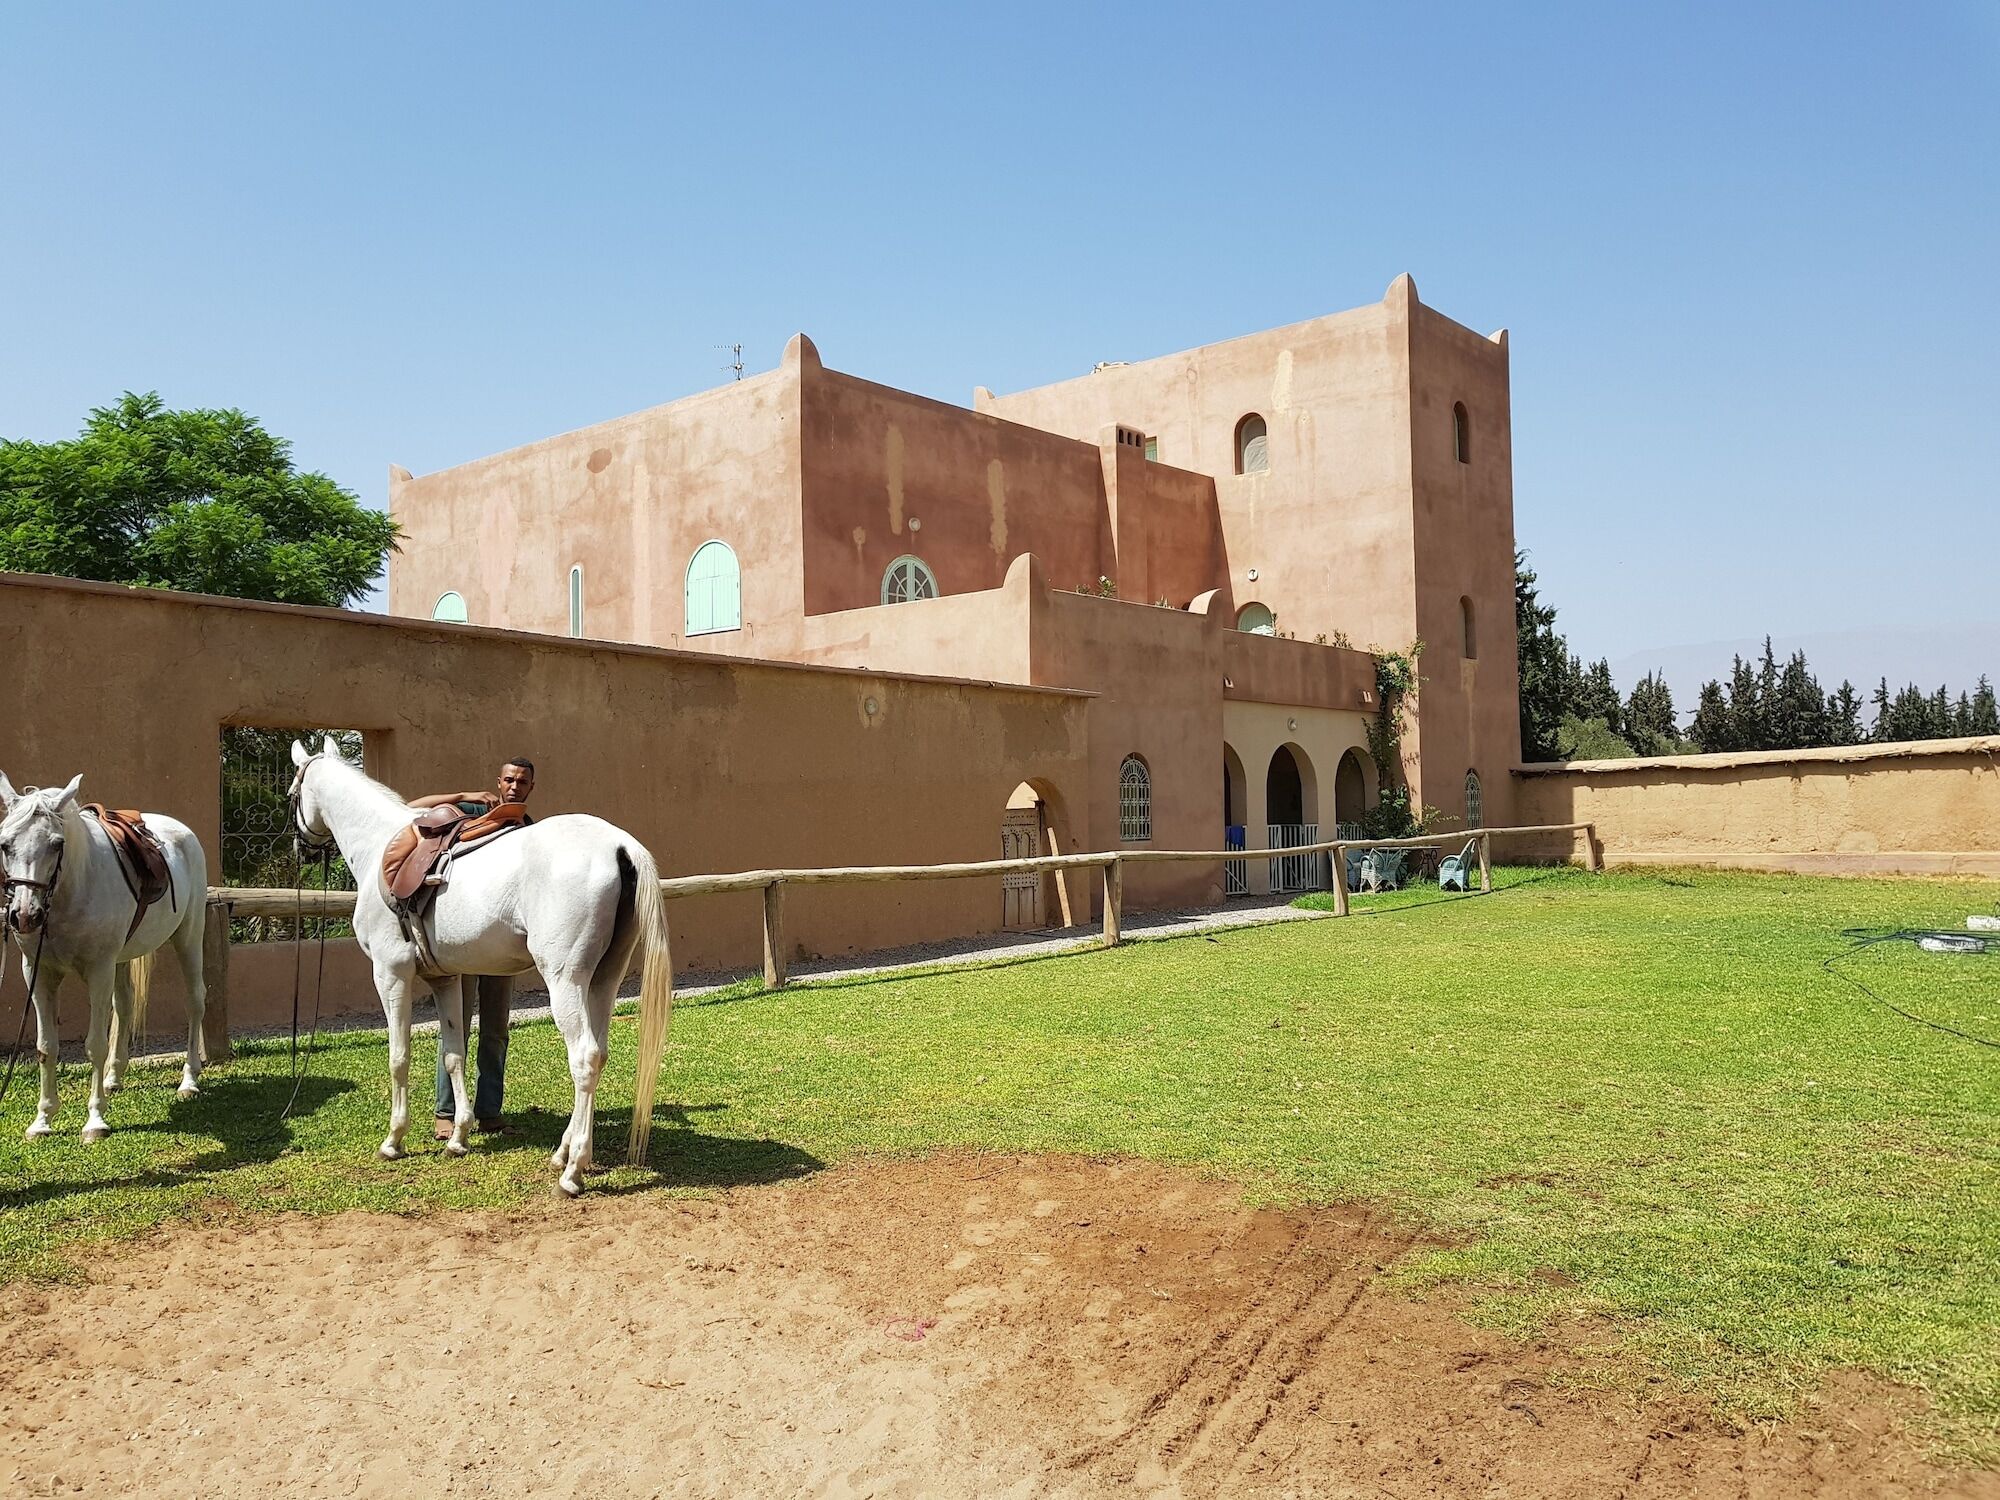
(1931,807)
(715,763)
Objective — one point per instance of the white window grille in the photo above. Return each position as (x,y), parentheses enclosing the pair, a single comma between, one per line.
(908,578)
(1135,801)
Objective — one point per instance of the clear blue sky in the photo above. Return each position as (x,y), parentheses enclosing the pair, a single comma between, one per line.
(1748,255)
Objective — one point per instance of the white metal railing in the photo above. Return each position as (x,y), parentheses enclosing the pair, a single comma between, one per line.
(1235,872)
(1295,872)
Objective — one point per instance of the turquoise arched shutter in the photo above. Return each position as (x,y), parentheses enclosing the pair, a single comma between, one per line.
(714,590)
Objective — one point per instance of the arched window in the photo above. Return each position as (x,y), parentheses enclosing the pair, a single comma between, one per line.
(1471,647)
(1253,454)
(908,578)
(1474,811)
(1461,433)
(576,600)
(1256,619)
(450,607)
(714,590)
(1135,801)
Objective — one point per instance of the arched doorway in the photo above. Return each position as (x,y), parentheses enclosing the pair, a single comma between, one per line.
(1235,813)
(1284,788)
(1033,825)
(1291,811)
(1350,793)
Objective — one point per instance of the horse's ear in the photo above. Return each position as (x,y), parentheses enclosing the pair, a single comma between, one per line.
(8,796)
(300,755)
(328,748)
(68,794)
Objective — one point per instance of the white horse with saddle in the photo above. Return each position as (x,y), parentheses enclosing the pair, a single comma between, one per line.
(77,910)
(571,896)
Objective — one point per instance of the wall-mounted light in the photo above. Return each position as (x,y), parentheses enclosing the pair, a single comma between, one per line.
(915,524)
(1253,575)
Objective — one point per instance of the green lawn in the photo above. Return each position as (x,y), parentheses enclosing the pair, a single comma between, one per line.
(1637,1095)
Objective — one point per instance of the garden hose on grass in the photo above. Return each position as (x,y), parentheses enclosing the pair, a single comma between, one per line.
(1930,941)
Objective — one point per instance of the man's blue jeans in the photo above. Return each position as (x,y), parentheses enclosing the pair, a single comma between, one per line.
(489,1075)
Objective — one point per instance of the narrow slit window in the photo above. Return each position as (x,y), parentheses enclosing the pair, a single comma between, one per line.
(576,600)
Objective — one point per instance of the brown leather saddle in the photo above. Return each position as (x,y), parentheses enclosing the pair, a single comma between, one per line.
(142,860)
(413,854)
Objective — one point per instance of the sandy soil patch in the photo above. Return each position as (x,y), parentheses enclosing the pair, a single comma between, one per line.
(957,1326)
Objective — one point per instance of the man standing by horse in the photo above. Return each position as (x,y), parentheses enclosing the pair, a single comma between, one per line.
(515,784)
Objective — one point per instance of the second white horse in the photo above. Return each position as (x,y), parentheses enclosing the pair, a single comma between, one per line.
(571,896)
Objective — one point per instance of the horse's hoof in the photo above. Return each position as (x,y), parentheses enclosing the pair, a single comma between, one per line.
(95,1133)
(389,1151)
(113,1085)
(456,1148)
(187,1091)
(571,1184)
(40,1130)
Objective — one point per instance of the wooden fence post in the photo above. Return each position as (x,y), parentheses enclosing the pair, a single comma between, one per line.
(1596,849)
(774,935)
(1340,880)
(1485,861)
(1114,897)
(215,976)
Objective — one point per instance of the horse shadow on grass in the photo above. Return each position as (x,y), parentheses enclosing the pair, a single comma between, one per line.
(680,1155)
(244,1117)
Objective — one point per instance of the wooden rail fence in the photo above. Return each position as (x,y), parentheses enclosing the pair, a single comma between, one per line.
(243,901)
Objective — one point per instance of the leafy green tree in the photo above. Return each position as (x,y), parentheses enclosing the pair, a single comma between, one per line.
(201,500)
(1591,739)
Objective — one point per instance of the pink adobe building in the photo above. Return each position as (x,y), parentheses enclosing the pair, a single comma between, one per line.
(1184,538)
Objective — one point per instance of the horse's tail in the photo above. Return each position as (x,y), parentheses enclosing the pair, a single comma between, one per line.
(141,969)
(656,995)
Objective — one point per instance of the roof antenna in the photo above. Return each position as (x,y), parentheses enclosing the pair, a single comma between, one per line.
(735,351)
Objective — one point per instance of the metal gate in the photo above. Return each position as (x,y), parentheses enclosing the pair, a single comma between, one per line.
(1021,890)
(257,774)
(1296,872)
(1235,872)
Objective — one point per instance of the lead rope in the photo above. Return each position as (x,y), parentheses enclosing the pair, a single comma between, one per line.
(319,986)
(27,1001)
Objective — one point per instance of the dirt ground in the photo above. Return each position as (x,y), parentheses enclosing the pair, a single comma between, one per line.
(957,1326)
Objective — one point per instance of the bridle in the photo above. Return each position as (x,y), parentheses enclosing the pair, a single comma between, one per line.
(9,884)
(304,837)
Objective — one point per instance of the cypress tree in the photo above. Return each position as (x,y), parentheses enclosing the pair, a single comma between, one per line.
(1985,711)
(1713,729)
(1844,716)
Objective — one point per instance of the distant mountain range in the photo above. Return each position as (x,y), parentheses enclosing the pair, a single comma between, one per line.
(1925,655)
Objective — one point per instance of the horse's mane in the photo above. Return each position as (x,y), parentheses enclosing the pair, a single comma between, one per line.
(389,793)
